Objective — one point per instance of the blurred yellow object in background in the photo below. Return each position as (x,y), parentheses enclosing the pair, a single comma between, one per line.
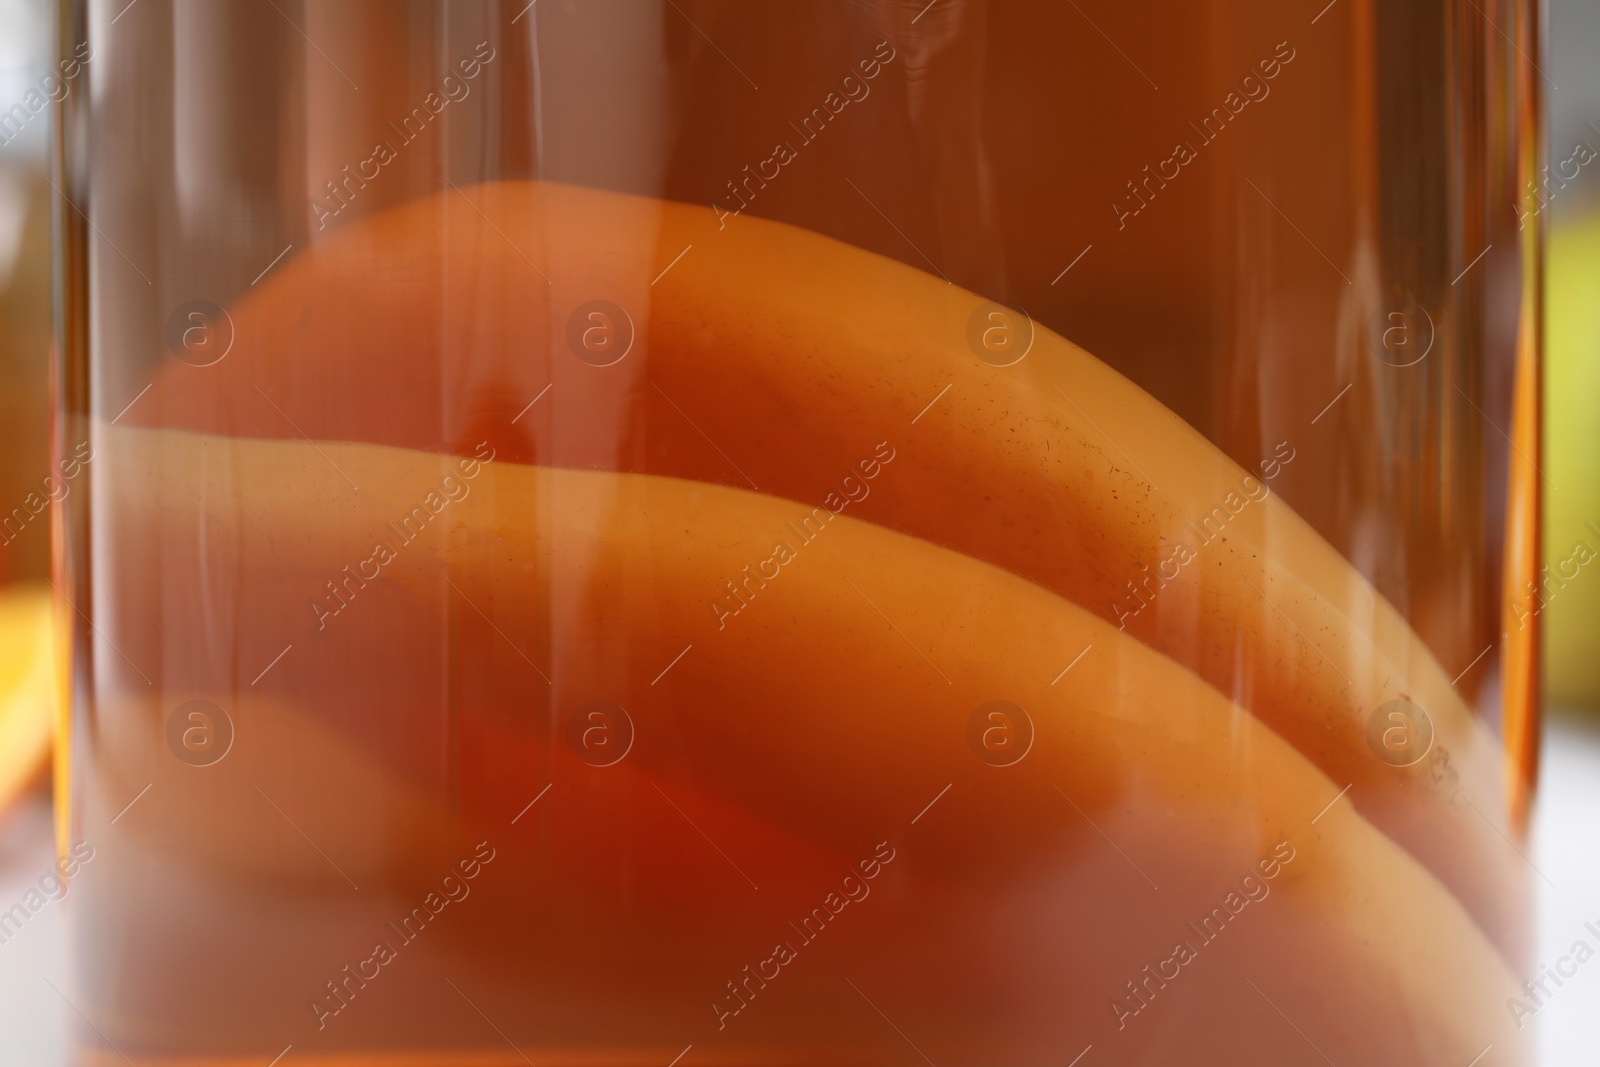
(27,687)
(29,652)
(1569,597)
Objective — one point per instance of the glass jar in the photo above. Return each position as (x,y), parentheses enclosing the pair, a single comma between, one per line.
(600,542)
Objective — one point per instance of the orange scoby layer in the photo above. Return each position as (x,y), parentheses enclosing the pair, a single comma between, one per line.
(776,791)
(770,357)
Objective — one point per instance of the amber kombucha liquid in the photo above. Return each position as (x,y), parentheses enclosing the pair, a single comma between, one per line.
(512,632)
